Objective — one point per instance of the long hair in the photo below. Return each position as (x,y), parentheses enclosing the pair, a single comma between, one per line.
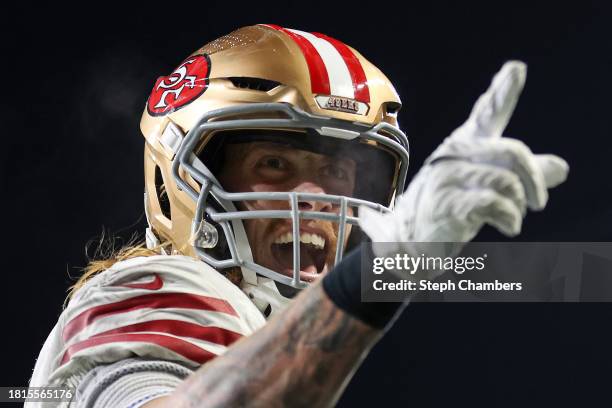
(107,251)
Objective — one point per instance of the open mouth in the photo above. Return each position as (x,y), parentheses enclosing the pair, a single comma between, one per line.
(313,254)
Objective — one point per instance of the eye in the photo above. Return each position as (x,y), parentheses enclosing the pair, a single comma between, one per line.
(336,172)
(272,162)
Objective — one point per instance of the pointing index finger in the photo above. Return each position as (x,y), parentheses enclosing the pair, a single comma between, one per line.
(493,109)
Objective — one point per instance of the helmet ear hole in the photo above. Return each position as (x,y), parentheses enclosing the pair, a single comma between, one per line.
(162,195)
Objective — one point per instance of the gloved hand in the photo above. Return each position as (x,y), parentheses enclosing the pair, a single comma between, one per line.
(474,177)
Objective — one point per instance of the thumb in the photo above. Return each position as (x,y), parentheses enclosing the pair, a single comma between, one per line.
(554,169)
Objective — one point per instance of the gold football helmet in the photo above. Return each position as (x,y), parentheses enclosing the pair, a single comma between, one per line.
(256,82)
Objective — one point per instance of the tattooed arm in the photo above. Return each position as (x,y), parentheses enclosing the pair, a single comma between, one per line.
(303,357)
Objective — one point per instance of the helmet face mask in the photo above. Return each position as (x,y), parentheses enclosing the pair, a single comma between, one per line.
(231,218)
(216,231)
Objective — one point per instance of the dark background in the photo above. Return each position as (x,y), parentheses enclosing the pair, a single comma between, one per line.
(73,88)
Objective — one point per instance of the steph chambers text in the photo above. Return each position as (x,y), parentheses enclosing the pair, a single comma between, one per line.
(462,285)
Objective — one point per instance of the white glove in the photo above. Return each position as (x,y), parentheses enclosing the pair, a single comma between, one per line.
(474,177)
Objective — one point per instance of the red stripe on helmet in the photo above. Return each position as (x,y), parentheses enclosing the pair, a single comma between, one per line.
(319,79)
(360,82)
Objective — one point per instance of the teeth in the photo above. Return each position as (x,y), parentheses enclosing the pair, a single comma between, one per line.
(315,240)
(305,238)
(284,239)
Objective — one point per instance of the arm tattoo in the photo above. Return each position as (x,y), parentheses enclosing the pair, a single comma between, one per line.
(302,358)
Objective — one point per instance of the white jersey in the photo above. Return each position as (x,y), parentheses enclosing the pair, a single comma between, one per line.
(162,307)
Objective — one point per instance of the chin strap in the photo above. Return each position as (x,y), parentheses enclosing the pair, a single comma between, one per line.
(150,238)
(244,252)
(262,291)
(265,295)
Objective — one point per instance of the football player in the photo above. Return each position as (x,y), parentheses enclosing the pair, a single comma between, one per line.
(268,151)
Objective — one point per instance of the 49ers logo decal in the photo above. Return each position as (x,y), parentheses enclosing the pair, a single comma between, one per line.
(181,87)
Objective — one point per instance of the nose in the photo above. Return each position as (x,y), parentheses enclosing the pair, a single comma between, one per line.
(312,205)
(318,206)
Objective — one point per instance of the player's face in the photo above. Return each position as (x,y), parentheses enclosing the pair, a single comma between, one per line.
(265,167)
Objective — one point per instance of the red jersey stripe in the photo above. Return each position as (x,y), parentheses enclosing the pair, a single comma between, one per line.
(182,347)
(360,82)
(151,301)
(179,328)
(319,78)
